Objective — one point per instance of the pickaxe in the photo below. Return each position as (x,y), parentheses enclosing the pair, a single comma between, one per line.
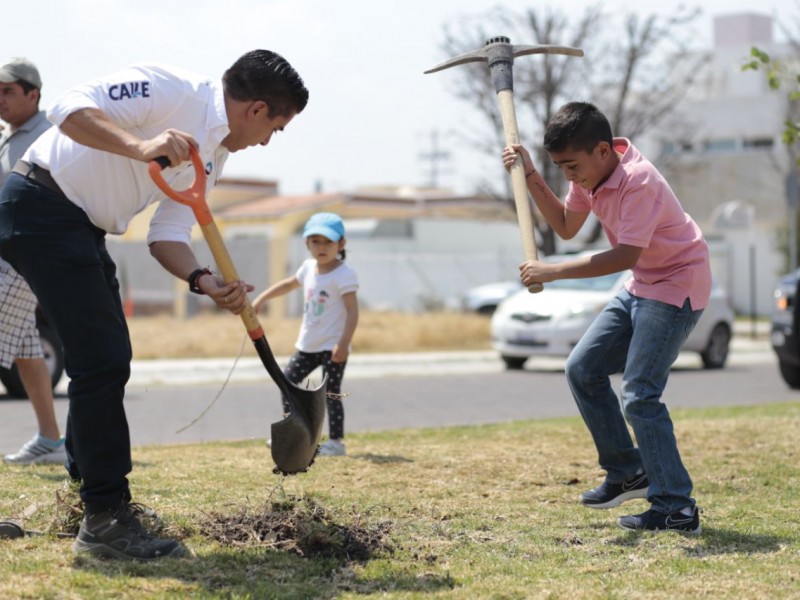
(499,54)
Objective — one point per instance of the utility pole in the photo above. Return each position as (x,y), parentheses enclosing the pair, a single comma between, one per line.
(435,157)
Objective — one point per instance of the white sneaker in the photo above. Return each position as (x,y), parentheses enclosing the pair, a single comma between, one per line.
(37,452)
(332,448)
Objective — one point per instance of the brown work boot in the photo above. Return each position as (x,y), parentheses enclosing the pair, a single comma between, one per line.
(119,534)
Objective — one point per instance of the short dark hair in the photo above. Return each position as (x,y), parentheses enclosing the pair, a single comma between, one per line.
(265,75)
(579,126)
(28,87)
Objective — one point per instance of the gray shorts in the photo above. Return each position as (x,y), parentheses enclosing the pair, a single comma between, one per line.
(19,337)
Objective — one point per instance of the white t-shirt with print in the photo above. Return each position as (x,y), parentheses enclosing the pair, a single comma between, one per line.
(324,312)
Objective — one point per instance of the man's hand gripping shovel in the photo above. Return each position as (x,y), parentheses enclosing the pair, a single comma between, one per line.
(295,439)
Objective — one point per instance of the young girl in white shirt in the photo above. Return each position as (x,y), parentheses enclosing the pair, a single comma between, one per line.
(330,316)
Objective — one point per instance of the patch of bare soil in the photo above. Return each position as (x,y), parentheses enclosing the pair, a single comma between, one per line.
(300,526)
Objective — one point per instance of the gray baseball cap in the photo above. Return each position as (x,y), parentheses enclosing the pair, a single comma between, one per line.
(15,69)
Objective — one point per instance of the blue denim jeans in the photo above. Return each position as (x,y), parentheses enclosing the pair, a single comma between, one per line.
(640,338)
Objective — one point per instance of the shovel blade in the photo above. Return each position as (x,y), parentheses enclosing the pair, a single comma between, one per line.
(11,530)
(295,439)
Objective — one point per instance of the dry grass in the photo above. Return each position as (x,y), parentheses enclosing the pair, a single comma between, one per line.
(212,335)
(463,512)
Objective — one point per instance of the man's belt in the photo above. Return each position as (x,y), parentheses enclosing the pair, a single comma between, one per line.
(37,174)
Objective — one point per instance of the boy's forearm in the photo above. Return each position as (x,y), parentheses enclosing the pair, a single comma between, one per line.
(548,203)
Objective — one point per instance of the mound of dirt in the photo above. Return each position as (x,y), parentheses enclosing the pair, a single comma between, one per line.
(300,526)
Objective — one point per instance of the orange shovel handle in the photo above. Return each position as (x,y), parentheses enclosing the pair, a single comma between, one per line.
(194,196)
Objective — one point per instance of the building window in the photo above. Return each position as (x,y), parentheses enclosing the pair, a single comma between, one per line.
(675,148)
(759,143)
(720,145)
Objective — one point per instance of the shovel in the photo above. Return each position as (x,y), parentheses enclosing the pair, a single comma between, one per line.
(12,530)
(295,439)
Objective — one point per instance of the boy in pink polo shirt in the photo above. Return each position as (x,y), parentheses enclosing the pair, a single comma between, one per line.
(641,331)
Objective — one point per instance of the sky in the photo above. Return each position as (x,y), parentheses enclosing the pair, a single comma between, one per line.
(372,113)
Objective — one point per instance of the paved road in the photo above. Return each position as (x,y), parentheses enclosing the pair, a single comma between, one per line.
(392,391)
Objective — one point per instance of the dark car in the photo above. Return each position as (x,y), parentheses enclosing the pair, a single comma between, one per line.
(785,335)
(53,356)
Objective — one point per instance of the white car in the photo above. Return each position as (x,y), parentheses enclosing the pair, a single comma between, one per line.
(485,298)
(551,322)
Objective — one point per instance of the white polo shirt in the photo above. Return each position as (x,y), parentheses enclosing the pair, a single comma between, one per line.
(144,100)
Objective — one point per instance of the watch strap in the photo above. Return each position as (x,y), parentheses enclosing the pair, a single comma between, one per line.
(194,276)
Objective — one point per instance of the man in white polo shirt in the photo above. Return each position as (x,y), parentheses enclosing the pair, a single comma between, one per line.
(88,177)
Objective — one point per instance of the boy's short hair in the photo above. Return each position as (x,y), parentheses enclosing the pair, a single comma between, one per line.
(265,75)
(579,126)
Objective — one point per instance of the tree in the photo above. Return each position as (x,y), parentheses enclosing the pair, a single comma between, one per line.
(782,74)
(628,77)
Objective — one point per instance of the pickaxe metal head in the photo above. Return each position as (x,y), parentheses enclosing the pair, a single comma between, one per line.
(499,54)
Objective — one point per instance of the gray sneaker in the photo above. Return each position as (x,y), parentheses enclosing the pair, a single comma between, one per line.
(36,452)
(119,534)
(333,448)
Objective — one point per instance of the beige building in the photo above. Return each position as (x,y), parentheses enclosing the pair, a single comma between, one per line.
(262,228)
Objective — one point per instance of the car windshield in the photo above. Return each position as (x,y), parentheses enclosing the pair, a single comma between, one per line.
(603,283)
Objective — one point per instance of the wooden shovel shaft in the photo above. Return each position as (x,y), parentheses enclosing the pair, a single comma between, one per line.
(520,186)
(229,274)
(254,330)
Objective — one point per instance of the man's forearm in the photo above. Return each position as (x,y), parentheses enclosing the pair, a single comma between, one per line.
(176,257)
(91,127)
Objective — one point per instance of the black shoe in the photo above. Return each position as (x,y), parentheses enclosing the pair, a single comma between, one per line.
(655,521)
(609,495)
(119,534)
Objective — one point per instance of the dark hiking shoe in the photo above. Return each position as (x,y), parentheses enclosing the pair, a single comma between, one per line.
(147,517)
(609,495)
(655,521)
(119,534)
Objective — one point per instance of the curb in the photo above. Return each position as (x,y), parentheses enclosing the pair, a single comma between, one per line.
(249,369)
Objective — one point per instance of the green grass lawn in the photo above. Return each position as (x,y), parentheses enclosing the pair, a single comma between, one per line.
(466,512)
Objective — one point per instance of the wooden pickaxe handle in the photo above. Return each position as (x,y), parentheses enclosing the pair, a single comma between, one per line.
(524,215)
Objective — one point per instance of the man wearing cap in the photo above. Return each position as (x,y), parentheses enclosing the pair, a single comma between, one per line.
(20,86)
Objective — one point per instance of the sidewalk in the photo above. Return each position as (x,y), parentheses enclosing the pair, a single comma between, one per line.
(746,328)
(744,346)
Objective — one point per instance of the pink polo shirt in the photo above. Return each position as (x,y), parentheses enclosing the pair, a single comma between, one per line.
(636,207)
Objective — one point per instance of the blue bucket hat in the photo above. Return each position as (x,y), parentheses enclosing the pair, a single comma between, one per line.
(328,224)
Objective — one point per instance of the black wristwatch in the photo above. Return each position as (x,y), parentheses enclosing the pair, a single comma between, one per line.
(194,276)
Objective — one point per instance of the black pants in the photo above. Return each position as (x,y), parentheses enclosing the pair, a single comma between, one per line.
(63,257)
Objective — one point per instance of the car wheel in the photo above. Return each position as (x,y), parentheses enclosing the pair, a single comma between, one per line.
(514,363)
(53,357)
(791,374)
(716,352)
